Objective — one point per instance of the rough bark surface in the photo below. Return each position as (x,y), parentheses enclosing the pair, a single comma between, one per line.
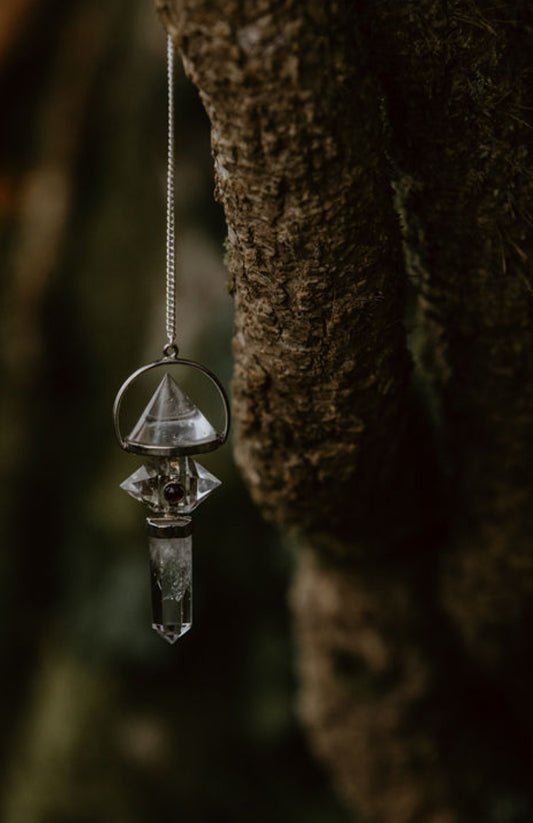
(458,83)
(318,112)
(315,251)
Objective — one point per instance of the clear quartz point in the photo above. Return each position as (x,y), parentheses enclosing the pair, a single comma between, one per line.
(206,483)
(142,485)
(171,420)
(170,544)
(171,485)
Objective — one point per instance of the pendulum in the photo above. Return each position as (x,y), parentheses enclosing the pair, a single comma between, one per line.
(171,484)
(169,431)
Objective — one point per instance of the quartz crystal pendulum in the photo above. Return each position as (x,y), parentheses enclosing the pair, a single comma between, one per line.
(171,484)
(169,431)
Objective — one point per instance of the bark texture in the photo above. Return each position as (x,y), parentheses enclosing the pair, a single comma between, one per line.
(336,128)
(460,103)
(315,252)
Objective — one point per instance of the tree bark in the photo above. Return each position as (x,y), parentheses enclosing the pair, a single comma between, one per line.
(315,253)
(337,128)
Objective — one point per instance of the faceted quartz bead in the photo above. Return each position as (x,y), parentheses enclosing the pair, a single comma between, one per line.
(170,543)
(171,485)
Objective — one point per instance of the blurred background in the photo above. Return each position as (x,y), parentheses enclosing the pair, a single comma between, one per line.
(100,719)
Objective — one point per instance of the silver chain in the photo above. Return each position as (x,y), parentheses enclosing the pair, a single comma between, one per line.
(171,348)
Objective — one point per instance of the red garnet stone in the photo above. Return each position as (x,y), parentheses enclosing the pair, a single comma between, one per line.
(173,493)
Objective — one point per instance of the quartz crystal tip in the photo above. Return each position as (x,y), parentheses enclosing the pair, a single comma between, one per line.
(170,544)
(171,633)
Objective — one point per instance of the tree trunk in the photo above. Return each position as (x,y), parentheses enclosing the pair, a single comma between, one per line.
(368,156)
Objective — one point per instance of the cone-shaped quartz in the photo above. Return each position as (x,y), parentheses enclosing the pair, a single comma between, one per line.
(170,543)
(171,421)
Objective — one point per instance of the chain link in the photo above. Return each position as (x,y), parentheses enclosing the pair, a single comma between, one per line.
(171,346)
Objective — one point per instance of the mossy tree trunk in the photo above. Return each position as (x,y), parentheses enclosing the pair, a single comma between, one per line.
(373,163)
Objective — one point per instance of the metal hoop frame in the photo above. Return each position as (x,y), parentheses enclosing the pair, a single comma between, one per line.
(172,450)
